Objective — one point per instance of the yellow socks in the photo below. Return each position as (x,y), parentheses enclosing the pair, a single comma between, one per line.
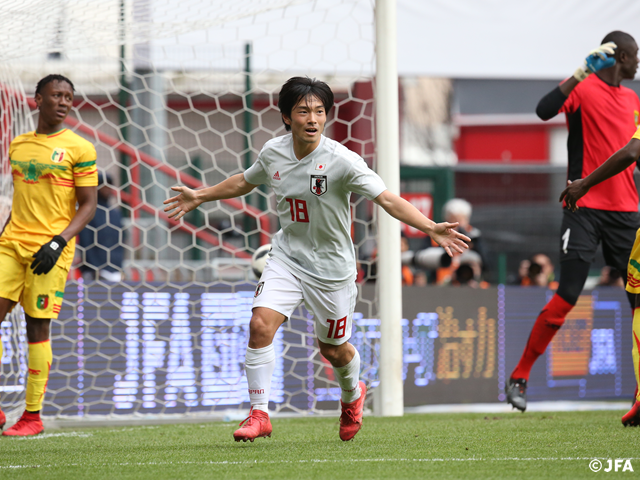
(40,357)
(636,346)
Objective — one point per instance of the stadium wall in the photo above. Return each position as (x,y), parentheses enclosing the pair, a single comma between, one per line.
(130,348)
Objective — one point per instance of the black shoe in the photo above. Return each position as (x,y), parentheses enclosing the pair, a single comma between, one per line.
(516,391)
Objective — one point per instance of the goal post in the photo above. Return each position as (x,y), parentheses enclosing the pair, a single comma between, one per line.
(173,95)
(390,398)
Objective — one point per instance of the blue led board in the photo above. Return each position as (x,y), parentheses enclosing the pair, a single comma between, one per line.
(172,350)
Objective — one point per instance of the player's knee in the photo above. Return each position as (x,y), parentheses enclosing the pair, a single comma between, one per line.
(261,330)
(573,274)
(258,327)
(569,293)
(38,329)
(330,352)
(5,307)
(338,355)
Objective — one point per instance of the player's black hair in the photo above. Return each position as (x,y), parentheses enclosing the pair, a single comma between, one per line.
(297,88)
(623,40)
(52,78)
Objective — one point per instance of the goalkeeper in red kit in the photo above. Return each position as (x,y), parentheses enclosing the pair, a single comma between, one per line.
(601,116)
(619,162)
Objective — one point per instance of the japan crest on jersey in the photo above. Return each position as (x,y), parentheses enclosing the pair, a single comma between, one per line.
(318,184)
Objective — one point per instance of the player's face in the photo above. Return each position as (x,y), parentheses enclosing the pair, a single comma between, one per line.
(630,64)
(55,102)
(307,121)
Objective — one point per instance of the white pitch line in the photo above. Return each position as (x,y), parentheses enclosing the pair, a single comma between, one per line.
(51,435)
(363,460)
(141,427)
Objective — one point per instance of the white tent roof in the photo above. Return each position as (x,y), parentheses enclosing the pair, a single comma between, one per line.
(538,39)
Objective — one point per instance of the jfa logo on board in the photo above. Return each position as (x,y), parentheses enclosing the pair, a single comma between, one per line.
(617,465)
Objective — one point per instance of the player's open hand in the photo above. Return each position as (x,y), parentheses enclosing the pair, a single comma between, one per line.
(445,235)
(182,203)
(575,191)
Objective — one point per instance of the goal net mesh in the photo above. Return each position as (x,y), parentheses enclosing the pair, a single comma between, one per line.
(181,93)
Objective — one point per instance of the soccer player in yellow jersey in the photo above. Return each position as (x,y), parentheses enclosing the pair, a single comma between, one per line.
(618,162)
(53,169)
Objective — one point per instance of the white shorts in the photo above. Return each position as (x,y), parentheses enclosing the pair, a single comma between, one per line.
(279,290)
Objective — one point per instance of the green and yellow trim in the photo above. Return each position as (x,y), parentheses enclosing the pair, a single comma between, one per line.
(50,135)
(85,164)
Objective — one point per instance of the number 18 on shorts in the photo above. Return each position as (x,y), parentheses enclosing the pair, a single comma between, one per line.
(279,290)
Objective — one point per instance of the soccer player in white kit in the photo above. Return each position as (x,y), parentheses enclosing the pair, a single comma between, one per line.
(312,258)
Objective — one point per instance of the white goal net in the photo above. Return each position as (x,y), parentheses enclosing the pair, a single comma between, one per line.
(181,92)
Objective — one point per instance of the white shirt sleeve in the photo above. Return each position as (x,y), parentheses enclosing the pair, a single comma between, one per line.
(364,181)
(257,174)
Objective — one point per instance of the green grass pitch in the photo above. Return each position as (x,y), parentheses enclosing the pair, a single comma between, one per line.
(469,446)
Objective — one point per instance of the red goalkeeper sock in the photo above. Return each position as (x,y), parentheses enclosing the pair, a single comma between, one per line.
(547,324)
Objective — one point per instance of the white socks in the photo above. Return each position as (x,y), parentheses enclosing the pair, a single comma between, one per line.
(259,365)
(348,378)
(261,362)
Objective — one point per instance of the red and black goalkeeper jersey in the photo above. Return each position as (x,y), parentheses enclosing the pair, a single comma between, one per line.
(601,120)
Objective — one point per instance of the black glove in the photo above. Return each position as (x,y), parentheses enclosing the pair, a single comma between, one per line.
(48,255)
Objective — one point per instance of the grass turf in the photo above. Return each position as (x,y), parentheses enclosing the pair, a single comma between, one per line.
(470,446)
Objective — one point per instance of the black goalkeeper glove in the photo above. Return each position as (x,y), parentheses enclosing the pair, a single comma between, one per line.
(48,255)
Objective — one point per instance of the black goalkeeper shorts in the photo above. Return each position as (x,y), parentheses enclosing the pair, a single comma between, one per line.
(585,228)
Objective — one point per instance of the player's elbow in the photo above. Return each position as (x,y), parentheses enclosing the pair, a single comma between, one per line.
(631,151)
(549,105)
(88,211)
(87,202)
(92,213)
(544,112)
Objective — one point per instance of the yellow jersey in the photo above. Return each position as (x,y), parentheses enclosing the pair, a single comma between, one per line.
(46,169)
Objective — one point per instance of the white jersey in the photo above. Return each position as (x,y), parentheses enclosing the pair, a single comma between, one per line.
(312,196)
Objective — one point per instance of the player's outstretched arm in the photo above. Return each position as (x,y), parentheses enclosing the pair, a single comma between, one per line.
(618,162)
(442,233)
(188,199)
